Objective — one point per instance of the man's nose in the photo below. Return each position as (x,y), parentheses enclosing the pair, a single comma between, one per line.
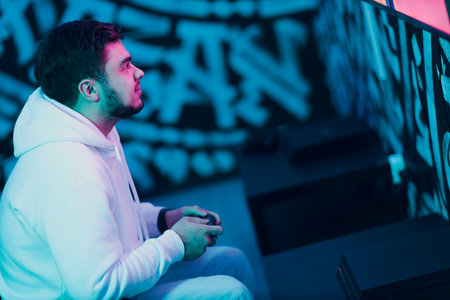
(138,73)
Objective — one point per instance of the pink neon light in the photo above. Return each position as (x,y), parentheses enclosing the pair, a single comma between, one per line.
(430,12)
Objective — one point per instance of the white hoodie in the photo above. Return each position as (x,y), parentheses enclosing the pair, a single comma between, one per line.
(69,227)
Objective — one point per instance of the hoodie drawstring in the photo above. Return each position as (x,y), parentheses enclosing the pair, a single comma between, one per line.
(142,227)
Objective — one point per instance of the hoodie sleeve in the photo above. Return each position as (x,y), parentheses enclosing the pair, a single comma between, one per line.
(83,237)
(150,214)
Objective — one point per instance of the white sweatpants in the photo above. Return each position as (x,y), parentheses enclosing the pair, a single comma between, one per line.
(220,273)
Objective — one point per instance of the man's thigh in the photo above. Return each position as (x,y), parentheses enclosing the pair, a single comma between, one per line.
(220,273)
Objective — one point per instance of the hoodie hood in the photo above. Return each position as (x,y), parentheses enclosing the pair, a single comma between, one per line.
(44,120)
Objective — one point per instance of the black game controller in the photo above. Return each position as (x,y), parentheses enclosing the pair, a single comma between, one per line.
(211,218)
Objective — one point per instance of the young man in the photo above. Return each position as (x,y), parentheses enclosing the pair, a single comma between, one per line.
(71,224)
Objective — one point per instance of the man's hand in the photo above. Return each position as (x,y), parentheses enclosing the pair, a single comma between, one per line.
(196,235)
(174,215)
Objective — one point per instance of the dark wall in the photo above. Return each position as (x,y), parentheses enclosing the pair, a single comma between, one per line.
(393,72)
(214,70)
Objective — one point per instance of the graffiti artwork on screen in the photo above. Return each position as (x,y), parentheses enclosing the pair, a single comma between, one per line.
(213,70)
(397,78)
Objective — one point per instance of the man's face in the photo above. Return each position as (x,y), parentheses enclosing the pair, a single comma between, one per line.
(121,85)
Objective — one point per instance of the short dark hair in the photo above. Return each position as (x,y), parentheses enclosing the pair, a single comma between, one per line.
(70,53)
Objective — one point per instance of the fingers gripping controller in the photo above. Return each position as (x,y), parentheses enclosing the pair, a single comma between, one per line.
(212,221)
(196,235)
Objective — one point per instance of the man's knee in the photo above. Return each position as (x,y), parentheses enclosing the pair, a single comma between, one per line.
(233,288)
(230,256)
(234,254)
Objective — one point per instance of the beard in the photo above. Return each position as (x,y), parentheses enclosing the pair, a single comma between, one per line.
(116,108)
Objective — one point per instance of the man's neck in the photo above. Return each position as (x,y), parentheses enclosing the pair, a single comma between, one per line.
(104,124)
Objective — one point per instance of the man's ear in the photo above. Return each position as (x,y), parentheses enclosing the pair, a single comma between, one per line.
(88,88)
